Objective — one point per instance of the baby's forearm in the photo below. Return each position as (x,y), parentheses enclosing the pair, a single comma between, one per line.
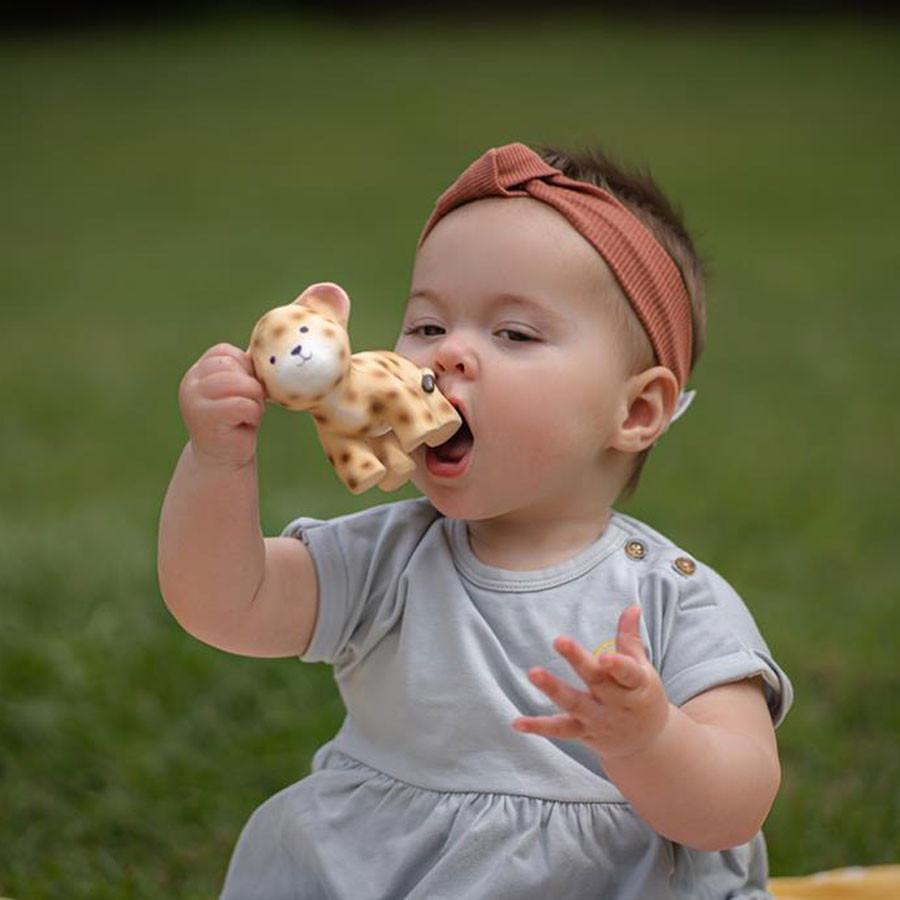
(699,785)
(211,550)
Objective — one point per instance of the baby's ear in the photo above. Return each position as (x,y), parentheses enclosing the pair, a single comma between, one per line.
(327,299)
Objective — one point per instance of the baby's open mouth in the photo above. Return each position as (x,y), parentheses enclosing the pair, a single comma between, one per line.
(446,457)
(454,449)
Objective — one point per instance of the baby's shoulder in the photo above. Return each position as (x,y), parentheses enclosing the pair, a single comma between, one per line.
(678,571)
(414,515)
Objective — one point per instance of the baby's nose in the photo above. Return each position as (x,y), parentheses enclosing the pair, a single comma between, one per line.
(455,355)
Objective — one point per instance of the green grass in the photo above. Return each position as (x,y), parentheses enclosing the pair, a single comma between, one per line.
(162,188)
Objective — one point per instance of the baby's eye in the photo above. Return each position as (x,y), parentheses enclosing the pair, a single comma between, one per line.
(515,336)
(425,330)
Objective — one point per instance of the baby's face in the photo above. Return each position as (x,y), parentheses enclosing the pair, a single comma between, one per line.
(510,308)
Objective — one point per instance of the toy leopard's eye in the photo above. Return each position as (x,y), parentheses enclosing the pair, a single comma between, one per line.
(303,329)
(272,360)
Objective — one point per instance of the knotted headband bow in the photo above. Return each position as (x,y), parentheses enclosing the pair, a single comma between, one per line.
(644,270)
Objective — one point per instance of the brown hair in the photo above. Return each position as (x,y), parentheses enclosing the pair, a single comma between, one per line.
(644,198)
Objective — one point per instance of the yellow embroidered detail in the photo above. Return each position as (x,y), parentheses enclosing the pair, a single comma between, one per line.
(605,647)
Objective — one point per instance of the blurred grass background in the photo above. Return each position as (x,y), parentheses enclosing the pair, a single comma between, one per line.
(163,187)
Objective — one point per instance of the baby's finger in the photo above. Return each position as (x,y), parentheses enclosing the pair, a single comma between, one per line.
(560,726)
(628,633)
(238,411)
(219,362)
(231,383)
(625,671)
(563,695)
(584,664)
(229,351)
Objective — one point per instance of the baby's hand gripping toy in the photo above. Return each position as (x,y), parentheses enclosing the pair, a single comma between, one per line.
(371,409)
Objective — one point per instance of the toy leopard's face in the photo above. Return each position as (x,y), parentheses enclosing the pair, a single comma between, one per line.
(300,354)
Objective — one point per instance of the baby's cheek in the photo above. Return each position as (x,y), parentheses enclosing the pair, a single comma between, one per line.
(411,350)
(550,414)
(534,438)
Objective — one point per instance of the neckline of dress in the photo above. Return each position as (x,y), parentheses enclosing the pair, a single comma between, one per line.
(520,581)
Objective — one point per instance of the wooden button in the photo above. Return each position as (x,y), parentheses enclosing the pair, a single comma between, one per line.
(635,549)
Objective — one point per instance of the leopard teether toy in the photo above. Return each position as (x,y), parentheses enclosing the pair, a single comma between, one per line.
(371,409)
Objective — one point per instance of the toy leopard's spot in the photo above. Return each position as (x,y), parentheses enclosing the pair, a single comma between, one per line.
(371,409)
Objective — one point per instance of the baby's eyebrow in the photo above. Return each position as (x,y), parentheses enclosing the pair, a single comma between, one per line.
(504,300)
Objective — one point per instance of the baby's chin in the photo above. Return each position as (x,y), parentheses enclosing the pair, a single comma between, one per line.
(448,500)
(452,502)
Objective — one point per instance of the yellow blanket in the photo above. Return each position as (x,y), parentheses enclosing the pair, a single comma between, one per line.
(855,883)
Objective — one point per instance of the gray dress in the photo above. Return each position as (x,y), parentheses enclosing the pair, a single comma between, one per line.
(427,791)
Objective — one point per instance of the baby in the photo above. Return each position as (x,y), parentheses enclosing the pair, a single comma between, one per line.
(546,698)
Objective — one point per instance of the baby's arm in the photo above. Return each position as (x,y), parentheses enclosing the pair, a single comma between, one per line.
(223,582)
(704,774)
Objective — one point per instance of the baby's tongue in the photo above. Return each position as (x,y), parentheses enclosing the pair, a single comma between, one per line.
(454,449)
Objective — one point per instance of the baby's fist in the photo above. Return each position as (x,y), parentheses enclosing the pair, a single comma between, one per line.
(222,404)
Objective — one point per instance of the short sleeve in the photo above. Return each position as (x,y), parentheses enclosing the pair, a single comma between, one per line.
(359,560)
(702,635)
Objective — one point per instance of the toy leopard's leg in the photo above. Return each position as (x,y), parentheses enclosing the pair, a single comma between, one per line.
(353,460)
(399,465)
(446,418)
(407,421)
(423,417)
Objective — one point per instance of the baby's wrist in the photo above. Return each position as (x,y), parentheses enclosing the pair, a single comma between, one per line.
(209,462)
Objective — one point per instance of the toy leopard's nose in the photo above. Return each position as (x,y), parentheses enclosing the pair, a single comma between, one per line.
(297,350)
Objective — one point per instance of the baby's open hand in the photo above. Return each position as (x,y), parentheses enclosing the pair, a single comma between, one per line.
(624,707)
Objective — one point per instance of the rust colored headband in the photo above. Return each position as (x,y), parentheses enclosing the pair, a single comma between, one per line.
(645,271)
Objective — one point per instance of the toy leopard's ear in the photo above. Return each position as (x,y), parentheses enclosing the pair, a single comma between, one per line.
(329,300)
